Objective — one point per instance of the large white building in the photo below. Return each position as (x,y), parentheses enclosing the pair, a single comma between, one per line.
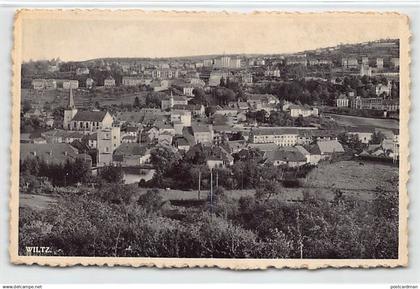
(278,136)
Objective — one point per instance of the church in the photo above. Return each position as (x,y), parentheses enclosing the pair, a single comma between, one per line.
(85,121)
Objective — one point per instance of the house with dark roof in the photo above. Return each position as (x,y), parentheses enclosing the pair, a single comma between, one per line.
(364,134)
(58,153)
(131,155)
(285,156)
(62,136)
(181,143)
(203,133)
(329,147)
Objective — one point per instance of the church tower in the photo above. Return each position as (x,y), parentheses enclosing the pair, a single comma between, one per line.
(69,112)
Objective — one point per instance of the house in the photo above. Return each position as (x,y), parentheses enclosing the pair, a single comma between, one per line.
(308,136)
(236,146)
(39,140)
(287,156)
(186,88)
(109,82)
(181,143)
(368,103)
(218,157)
(364,134)
(131,131)
(216,76)
(391,104)
(150,135)
(163,126)
(82,71)
(132,81)
(312,156)
(168,103)
(61,136)
(40,84)
(195,109)
(128,139)
(165,139)
(395,62)
(33,113)
(52,153)
(91,140)
(302,110)
(329,147)
(246,78)
(159,85)
(182,116)
(383,89)
(226,111)
(259,101)
(131,155)
(279,136)
(342,101)
(202,133)
(70,84)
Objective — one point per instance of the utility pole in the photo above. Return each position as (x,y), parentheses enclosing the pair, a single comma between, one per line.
(211,191)
(217,178)
(199,183)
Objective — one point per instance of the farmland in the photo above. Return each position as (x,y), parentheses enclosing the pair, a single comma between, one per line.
(358,121)
(82,97)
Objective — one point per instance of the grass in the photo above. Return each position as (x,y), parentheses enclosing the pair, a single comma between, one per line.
(36,202)
(59,97)
(350,177)
(358,121)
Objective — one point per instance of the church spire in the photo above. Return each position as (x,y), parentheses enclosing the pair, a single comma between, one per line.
(71,100)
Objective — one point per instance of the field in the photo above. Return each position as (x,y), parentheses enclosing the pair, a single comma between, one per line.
(36,202)
(350,177)
(358,121)
(82,97)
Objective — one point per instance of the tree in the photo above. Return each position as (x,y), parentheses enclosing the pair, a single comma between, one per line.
(151,201)
(26,106)
(267,189)
(377,137)
(136,103)
(112,174)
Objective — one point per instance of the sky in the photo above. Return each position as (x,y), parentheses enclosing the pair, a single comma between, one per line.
(74,36)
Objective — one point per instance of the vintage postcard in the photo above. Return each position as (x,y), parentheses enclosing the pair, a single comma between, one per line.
(197,139)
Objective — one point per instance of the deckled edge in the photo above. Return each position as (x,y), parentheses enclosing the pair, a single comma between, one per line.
(235,264)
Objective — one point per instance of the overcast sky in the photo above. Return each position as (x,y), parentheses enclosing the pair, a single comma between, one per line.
(83,36)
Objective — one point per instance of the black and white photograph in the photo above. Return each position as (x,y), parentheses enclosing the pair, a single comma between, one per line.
(188,139)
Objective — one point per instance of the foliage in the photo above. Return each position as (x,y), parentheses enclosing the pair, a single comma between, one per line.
(111,174)
(69,173)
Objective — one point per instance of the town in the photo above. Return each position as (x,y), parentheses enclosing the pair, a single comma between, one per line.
(195,130)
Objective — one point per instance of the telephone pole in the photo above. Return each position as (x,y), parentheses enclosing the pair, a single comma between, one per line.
(199,184)
(211,191)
